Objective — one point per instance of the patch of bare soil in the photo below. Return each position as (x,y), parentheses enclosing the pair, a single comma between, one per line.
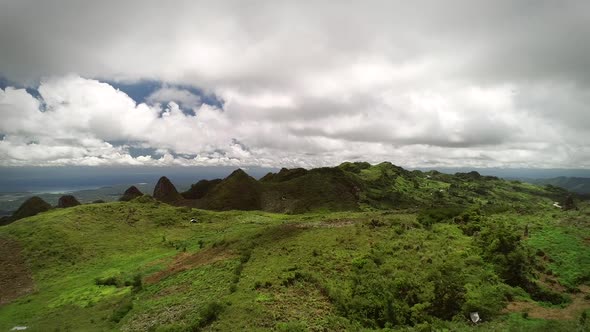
(15,276)
(572,311)
(186,261)
(335,223)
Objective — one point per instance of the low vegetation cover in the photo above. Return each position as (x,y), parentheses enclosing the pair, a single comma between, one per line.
(356,247)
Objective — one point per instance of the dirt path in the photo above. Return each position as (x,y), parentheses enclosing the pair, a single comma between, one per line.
(572,311)
(334,223)
(15,276)
(186,261)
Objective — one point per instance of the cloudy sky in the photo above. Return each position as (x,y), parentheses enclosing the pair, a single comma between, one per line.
(297,83)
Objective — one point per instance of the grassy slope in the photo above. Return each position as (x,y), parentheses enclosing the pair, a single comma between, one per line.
(267,271)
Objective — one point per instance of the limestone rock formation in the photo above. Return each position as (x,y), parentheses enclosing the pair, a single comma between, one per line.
(165,191)
(131,193)
(67,201)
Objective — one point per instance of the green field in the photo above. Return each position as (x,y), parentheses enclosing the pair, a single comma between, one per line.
(506,253)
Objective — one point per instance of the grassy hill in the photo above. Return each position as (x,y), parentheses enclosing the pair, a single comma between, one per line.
(361,186)
(395,253)
(574,184)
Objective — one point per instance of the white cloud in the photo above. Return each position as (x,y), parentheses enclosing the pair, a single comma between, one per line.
(304,83)
(77,120)
(182,97)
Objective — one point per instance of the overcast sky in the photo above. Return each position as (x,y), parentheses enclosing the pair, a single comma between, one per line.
(298,83)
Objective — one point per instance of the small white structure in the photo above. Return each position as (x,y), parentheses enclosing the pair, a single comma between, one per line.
(19,328)
(556,204)
(194,221)
(474,317)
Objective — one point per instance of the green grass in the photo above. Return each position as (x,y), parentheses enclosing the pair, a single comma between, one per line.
(568,253)
(313,271)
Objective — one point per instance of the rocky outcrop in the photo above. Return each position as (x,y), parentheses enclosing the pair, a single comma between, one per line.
(166,192)
(131,193)
(67,201)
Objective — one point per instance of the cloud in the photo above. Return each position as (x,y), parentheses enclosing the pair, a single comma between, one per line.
(308,84)
(182,97)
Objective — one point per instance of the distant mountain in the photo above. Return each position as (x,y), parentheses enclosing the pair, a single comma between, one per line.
(573,184)
(131,193)
(358,186)
(30,207)
(165,191)
(200,189)
(67,201)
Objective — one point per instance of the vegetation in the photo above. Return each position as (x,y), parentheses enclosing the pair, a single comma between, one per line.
(399,257)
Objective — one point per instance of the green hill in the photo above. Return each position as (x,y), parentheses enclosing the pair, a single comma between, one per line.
(393,252)
(573,184)
(361,186)
(200,189)
(238,191)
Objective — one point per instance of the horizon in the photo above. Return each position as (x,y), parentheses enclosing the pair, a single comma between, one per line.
(428,84)
(52,179)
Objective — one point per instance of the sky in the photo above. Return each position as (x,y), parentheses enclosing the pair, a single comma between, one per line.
(295,83)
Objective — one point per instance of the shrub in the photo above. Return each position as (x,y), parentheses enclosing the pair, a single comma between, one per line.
(107,281)
(428,217)
(121,311)
(210,313)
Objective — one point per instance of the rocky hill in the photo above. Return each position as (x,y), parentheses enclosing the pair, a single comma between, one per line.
(67,201)
(131,193)
(353,187)
(166,192)
(200,189)
(30,207)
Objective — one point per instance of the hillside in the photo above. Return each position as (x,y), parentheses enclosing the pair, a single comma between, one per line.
(573,184)
(409,251)
(361,186)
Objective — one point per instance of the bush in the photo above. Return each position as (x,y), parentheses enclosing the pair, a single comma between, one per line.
(501,245)
(291,327)
(428,217)
(136,282)
(210,313)
(107,281)
(121,311)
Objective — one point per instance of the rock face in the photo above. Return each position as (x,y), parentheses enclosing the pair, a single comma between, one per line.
(131,193)
(67,201)
(165,191)
(30,207)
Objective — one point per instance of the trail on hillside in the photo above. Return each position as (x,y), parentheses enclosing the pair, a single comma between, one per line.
(186,261)
(572,311)
(15,276)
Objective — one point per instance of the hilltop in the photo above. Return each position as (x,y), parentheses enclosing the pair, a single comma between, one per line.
(353,247)
(359,186)
(575,184)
